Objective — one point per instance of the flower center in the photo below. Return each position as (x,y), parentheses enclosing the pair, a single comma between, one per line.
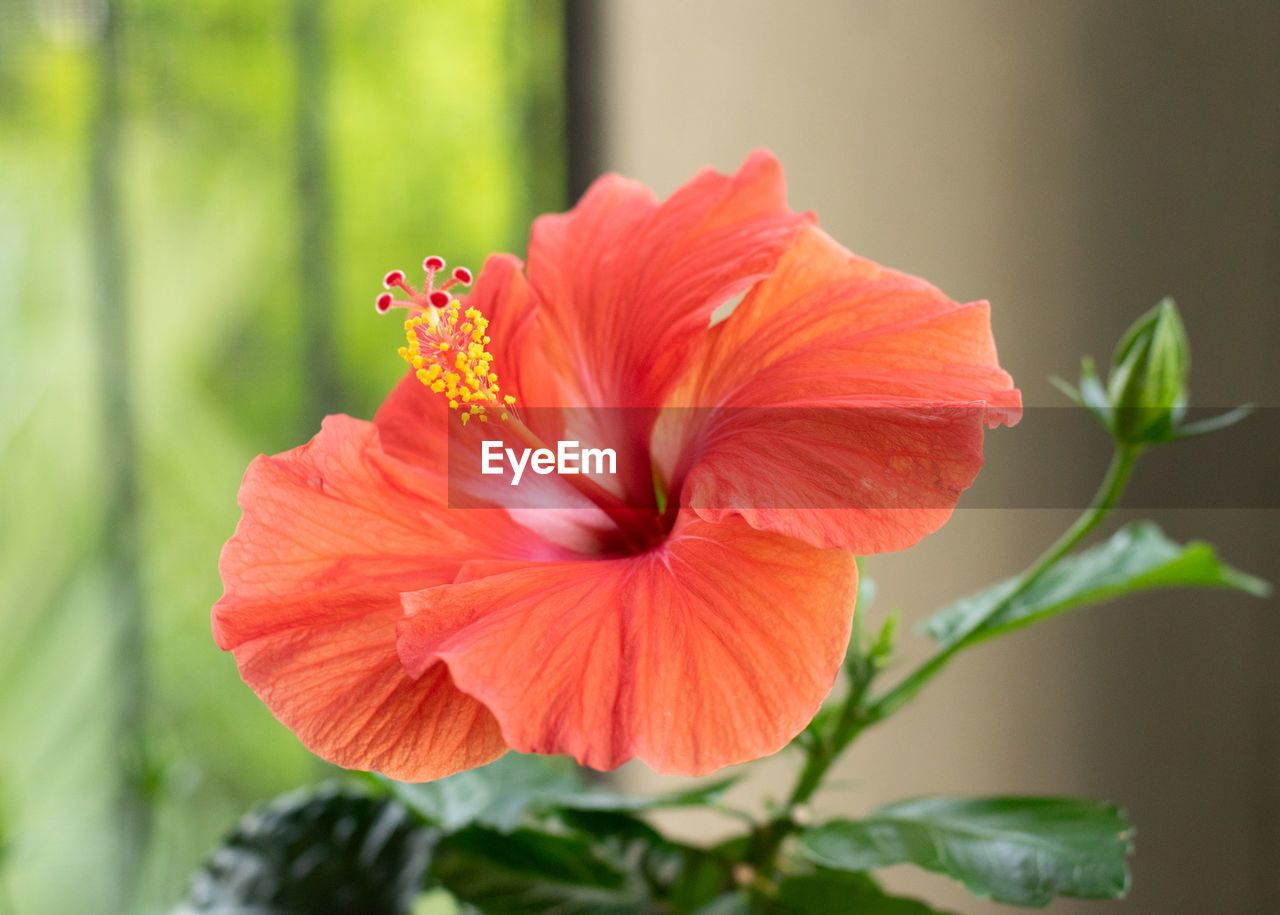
(445,344)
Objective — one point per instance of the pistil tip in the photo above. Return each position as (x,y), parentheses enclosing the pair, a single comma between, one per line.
(393,278)
(383,303)
(439,298)
(462,275)
(433,263)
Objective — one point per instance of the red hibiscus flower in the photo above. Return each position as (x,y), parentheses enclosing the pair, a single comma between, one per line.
(401,610)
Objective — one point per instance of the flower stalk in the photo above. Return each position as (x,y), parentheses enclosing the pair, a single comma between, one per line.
(1106,498)
(857,713)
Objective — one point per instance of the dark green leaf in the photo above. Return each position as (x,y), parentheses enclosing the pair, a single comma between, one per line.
(831,892)
(610,824)
(1023,851)
(702,875)
(316,851)
(826,892)
(685,876)
(527,871)
(1138,557)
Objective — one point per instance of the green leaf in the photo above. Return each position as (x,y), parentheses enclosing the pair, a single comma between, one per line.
(1068,389)
(1022,851)
(826,892)
(1138,557)
(597,799)
(882,651)
(683,876)
(735,903)
(1093,396)
(700,875)
(610,824)
(817,894)
(326,850)
(510,789)
(497,795)
(528,871)
(1213,423)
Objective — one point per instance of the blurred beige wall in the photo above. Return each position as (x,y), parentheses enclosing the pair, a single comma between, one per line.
(1072,162)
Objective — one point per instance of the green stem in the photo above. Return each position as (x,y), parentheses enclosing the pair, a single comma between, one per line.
(822,752)
(1108,494)
(855,716)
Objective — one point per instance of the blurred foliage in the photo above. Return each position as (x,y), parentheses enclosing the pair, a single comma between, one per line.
(441,125)
(522,834)
(325,850)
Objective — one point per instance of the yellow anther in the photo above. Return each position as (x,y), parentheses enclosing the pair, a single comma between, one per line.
(446,348)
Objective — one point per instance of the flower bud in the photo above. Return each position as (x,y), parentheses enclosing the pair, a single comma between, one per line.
(1147,386)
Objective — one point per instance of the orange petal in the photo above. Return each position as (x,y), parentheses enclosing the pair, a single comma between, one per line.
(828,325)
(627,286)
(332,533)
(716,648)
(868,480)
(848,404)
(338,684)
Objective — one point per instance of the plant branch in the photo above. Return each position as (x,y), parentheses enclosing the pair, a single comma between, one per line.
(856,714)
(1106,498)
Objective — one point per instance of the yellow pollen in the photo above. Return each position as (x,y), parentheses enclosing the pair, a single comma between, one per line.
(449,357)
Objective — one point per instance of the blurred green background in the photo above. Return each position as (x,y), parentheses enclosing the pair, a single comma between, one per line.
(197,203)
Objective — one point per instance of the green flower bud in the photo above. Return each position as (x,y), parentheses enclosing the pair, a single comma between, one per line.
(1147,386)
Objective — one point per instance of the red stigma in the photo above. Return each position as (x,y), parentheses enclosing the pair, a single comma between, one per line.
(429,296)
